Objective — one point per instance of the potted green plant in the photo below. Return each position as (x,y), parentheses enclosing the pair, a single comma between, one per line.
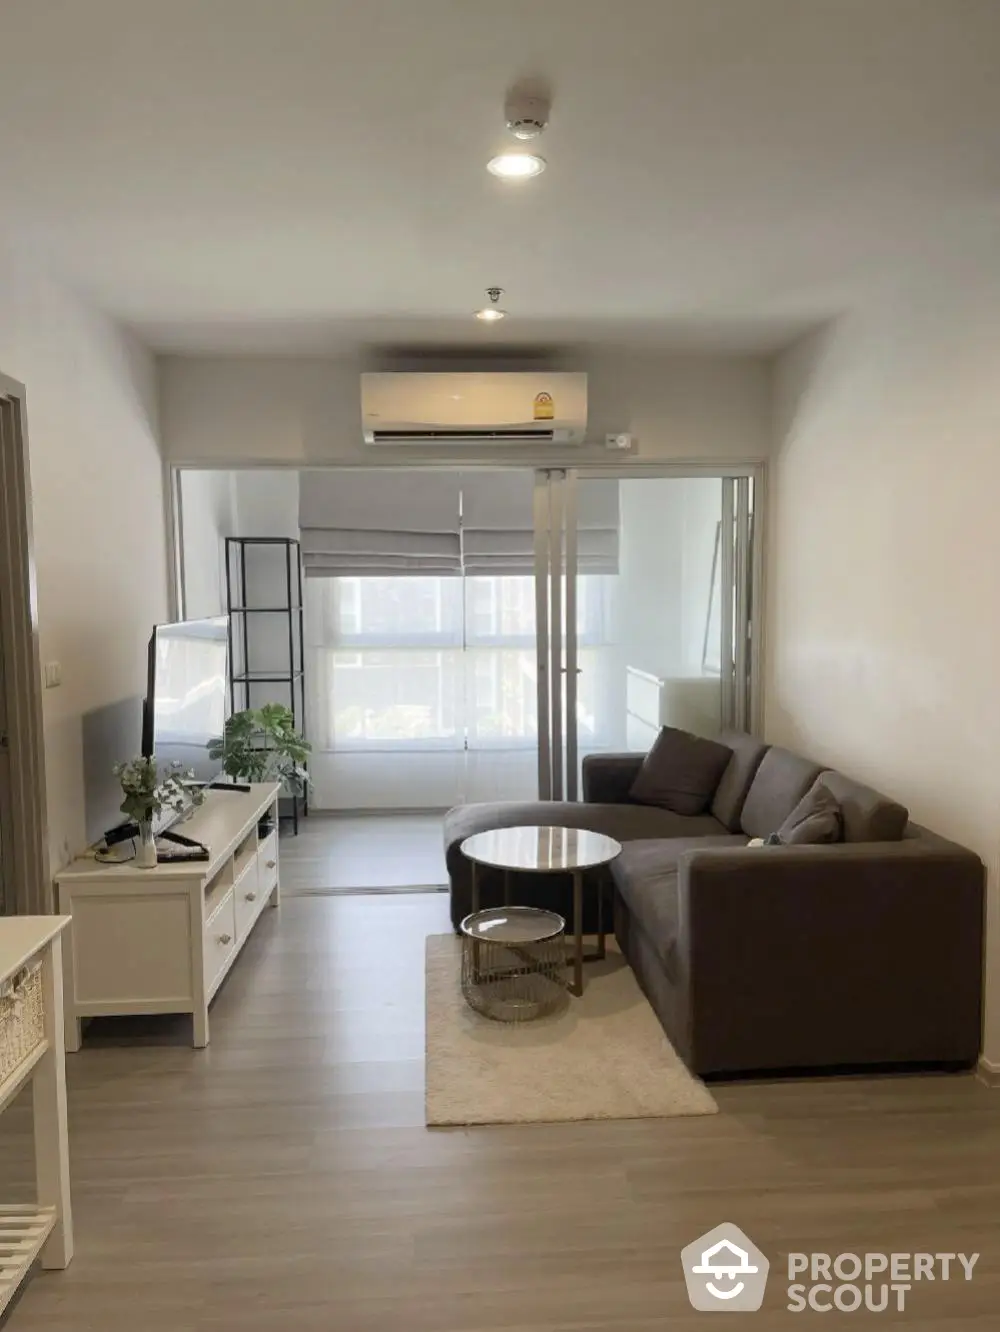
(149,790)
(263,745)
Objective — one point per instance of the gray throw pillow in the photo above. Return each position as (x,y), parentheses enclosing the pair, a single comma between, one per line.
(816,819)
(680,772)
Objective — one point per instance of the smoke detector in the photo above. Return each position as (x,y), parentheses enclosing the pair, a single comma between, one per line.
(527,117)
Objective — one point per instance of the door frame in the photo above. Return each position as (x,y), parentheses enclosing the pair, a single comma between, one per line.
(534,461)
(29,853)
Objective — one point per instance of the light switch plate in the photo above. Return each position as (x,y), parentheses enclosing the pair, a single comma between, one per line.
(53,675)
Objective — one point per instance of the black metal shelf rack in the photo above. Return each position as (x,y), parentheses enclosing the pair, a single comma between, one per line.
(267,666)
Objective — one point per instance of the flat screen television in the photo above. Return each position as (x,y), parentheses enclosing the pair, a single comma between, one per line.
(187,693)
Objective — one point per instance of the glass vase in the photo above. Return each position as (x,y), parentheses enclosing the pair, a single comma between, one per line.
(145,856)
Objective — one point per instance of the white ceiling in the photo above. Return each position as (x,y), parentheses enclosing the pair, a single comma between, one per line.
(304,174)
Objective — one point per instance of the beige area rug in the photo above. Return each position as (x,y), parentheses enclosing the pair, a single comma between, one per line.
(600,1057)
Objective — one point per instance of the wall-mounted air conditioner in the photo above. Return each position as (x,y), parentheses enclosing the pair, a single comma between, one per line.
(473,407)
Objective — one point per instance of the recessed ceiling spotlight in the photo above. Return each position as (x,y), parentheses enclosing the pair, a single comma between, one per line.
(489,314)
(516,166)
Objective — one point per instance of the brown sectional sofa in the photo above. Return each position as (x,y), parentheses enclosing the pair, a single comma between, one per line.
(868,951)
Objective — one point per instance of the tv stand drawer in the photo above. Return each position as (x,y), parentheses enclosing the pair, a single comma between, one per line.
(249,900)
(267,864)
(220,940)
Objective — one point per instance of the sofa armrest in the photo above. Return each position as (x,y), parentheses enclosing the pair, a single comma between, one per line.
(823,955)
(608,778)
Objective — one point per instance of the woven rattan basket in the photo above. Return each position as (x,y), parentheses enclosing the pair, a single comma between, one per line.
(22,1019)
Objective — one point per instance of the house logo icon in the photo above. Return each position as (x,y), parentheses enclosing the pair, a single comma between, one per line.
(725,1271)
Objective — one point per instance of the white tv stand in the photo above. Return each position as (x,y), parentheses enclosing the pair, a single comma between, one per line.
(162,940)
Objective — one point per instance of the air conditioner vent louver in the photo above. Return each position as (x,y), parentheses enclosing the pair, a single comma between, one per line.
(536,407)
(446,436)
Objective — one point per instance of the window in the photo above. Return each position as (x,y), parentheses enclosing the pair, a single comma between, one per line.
(438,663)
(387,657)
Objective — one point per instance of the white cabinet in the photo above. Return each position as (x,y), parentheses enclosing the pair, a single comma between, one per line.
(31,1050)
(162,940)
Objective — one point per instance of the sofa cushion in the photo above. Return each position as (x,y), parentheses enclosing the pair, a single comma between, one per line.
(782,779)
(650,857)
(625,823)
(645,876)
(727,806)
(868,815)
(608,778)
(814,821)
(680,772)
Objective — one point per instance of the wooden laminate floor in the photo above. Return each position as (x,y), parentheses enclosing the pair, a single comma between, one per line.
(334,852)
(283,1179)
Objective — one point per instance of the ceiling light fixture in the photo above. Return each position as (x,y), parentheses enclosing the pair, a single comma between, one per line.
(516,166)
(489,314)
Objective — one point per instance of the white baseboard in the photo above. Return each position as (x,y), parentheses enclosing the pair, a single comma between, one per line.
(988,1072)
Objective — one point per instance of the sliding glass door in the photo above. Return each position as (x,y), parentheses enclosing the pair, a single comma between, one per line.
(643,606)
(473,635)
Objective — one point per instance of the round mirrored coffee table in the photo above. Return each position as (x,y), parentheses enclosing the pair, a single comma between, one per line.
(512,962)
(541,849)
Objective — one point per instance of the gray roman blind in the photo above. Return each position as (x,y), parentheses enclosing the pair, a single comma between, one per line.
(379,524)
(498,524)
(397,523)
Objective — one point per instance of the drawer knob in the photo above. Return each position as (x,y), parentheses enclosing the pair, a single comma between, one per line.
(225,939)
(271,864)
(251,897)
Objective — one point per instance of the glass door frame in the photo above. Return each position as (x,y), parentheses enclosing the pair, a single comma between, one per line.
(556,570)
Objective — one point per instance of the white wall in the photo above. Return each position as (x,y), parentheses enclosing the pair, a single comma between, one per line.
(668,530)
(208,516)
(100,545)
(267,502)
(221,410)
(702,512)
(667,541)
(650,583)
(883,634)
(216,504)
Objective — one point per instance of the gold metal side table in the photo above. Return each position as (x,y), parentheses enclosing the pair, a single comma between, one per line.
(541,849)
